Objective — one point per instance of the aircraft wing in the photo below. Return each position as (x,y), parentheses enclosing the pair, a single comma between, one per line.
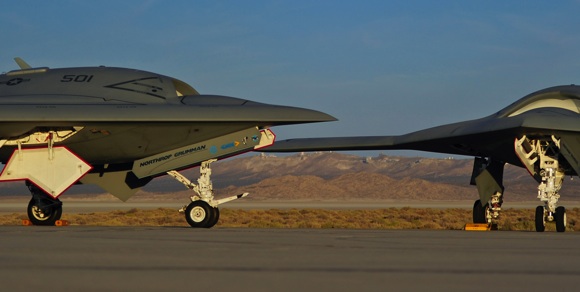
(489,136)
(277,115)
(105,125)
(119,128)
(147,139)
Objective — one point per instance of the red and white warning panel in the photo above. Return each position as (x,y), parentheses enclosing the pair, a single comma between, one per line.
(267,138)
(53,170)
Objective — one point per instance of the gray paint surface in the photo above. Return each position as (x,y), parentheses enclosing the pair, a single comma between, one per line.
(126,114)
(116,116)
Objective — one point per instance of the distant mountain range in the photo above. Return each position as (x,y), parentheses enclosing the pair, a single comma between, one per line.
(327,176)
(336,176)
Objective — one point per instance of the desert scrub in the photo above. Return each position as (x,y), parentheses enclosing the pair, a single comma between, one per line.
(392,218)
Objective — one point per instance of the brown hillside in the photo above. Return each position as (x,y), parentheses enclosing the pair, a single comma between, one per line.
(341,176)
(354,186)
(322,176)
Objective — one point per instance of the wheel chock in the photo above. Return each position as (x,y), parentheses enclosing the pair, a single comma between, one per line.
(61,223)
(27,222)
(477,227)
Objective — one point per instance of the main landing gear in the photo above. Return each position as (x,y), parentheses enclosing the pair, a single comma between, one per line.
(43,209)
(548,193)
(547,162)
(203,210)
(488,177)
(547,159)
(484,214)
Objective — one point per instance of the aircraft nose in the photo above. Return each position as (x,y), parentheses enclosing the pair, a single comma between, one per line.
(297,115)
(238,109)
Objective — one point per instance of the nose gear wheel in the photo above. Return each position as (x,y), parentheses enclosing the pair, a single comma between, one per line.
(202,211)
(200,214)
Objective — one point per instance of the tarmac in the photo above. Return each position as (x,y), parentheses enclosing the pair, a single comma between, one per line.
(80,258)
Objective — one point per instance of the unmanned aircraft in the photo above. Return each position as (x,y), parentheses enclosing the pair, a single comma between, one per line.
(539,132)
(119,128)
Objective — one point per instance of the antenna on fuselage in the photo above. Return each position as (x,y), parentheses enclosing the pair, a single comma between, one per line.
(23,65)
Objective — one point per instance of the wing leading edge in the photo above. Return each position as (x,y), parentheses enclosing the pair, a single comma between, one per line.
(486,137)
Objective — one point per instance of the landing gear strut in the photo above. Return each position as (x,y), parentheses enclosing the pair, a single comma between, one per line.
(543,160)
(488,177)
(484,214)
(43,209)
(203,210)
(548,193)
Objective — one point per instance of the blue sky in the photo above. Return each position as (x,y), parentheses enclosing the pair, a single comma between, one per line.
(380,67)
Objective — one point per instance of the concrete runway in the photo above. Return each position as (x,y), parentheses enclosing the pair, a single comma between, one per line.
(79,258)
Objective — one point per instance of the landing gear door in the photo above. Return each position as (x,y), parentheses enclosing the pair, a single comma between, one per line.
(216,148)
(53,170)
(570,149)
(527,155)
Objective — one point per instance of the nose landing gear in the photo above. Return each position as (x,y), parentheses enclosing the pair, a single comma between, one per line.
(203,210)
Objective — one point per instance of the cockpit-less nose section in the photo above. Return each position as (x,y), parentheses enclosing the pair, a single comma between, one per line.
(119,128)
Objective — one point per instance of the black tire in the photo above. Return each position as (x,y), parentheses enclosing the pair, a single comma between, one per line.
(560,218)
(47,217)
(479,213)
(214,218)
(199,214)
(540,219)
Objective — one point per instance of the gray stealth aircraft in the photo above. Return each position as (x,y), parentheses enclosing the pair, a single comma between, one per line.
(540,132)
(119,128)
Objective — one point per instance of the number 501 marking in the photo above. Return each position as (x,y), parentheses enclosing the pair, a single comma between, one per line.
(76,78)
